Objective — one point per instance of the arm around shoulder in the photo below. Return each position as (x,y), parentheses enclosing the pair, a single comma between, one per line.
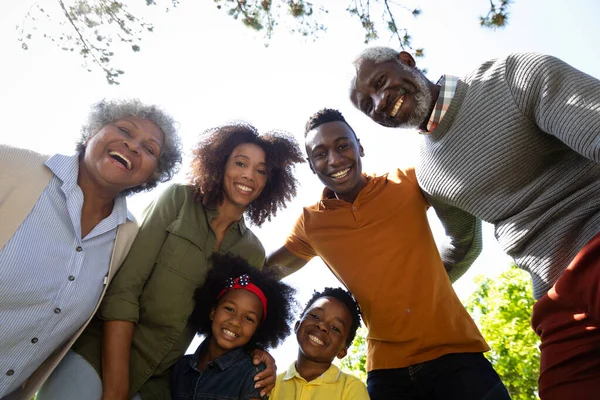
(559,99)
(464,241)
(285,261)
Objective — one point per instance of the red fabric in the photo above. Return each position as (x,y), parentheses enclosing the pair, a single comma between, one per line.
(567,319)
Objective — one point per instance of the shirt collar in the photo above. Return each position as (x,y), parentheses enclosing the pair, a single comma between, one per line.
(212,212)
(223,362)
(332,374)
(447,85)
(374,184)
(66,168)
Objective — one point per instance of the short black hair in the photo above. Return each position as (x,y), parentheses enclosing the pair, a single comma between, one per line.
(324,116)
(280,300)
(347,299)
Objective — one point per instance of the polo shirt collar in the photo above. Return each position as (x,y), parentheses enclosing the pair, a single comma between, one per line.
(374,185)
(332,375)
(212,212)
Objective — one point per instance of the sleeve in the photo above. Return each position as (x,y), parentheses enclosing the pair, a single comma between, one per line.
(248,390)
(122,296)
(559,99)
(463,232)
(355,390)
(297,242)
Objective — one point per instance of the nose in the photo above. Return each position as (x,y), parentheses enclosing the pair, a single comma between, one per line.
(379,102)
(132,145)
(321,326)
(249,174)
(334,158)
(235,320)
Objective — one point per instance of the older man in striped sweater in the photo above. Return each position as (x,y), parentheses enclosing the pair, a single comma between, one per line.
(515,143)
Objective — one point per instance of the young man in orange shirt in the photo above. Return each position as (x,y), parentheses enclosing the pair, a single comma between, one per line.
(372,231)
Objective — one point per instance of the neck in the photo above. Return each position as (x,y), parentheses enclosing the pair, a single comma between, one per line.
(228,215)
(211,353)
(351,196)
(97,200)
(309,369)
(435,93)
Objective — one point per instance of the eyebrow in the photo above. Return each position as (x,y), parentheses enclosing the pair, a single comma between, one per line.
(321,309)
(236,304)
(247,158)
(138,128)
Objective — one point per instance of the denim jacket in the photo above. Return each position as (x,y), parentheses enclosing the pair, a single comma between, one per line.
(230,376)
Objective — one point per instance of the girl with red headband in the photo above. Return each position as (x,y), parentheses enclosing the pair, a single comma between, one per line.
(239,308)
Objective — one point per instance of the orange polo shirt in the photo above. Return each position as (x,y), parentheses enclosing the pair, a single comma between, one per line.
(382,249)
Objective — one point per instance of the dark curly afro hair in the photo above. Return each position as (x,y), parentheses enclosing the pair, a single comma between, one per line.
(212,152)
(281,304)
(324,116)
(347,299)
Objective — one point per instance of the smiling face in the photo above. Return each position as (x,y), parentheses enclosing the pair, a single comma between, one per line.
(235,318)
(393,93)
(122,154)
(334,155)
(323,330)
(245,175)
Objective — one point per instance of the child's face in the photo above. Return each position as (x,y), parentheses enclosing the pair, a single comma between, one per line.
(235,318)
(323,330)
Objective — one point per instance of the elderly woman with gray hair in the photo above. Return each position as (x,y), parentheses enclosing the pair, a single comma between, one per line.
(66,229)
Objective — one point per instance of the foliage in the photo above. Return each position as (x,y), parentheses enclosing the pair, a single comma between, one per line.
(92,28)
(355,361)
(497,17)
(502,308)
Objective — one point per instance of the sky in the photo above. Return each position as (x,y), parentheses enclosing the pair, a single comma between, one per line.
(207,69)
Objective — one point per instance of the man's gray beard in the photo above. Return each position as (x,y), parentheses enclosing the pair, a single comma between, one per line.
(422,100)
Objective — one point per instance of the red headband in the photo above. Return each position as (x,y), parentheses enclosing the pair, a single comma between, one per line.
(243,282)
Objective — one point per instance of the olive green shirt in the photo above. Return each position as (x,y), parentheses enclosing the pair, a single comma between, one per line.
(155,286)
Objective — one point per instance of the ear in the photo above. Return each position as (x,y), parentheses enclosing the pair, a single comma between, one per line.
(361,151)
(211,316)
(406,59)
(296,326)
(342,353)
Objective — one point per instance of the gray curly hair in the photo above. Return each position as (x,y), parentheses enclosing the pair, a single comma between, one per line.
(376,54)
(106,111)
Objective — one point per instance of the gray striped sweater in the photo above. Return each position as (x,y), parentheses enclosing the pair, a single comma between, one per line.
(519,147)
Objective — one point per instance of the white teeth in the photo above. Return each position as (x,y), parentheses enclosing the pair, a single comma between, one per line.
(397,106)
(229,333)
(116,153)
(244,188)
(341,174)
(316,340)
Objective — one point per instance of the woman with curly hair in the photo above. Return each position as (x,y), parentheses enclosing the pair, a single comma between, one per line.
(143,326)
(238,308)
(66,229)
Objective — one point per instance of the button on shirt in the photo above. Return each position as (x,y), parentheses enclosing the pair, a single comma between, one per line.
(50,277)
